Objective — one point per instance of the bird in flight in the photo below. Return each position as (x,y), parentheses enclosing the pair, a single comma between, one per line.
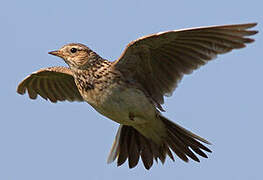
(131,89)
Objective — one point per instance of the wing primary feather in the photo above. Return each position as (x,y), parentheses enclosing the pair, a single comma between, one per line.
(39,89)
(31,92)
(49,91)
(54,90)
(219,48)
(60,89)
(65,90)
(202,53)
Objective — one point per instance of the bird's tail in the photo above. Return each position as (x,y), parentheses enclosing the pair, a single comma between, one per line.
(130,144)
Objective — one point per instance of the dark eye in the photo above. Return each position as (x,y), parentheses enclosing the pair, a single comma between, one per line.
(73,50)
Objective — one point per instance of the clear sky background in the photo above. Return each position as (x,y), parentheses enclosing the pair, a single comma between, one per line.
(222,101)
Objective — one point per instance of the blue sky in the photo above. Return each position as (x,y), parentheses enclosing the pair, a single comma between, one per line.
(222,101)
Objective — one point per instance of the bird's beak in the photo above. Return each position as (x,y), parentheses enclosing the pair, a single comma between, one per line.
(55,53)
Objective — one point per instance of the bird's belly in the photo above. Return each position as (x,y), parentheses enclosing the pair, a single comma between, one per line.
(127,106)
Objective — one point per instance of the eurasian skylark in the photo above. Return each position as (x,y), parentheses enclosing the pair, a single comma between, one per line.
(131,89)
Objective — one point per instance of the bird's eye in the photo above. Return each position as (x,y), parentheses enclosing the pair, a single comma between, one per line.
(73,50)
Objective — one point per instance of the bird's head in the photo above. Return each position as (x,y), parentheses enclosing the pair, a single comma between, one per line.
(76,55)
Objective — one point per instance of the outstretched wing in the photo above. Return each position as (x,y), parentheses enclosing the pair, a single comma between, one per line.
(159,61)
(54,83)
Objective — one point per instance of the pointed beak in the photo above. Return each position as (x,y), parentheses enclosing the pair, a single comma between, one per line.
(55,53)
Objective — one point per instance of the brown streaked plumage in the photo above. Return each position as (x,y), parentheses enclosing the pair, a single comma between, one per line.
(130,90)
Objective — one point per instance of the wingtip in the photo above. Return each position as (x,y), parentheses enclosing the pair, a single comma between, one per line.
(20,90)
(247,25)
(254,32)
(253,24)
(206,141)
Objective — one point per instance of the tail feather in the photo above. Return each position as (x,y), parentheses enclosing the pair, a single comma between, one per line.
(147,154)
(133,150)
(123,145)
(115,147)
(131,144)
